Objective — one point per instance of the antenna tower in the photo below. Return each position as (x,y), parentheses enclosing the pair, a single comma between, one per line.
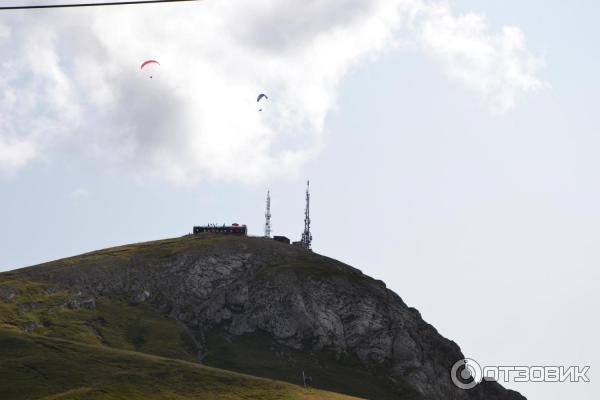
(268,216)
(306,235)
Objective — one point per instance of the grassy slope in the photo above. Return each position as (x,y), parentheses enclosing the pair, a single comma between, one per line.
(113,322)
(37,367)
(155,250)
(257,355)
(308,263)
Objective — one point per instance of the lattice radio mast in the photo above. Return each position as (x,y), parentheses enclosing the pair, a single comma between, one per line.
(306,235)
(268,216)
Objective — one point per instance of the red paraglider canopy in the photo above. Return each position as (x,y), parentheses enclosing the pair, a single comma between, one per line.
(149,62)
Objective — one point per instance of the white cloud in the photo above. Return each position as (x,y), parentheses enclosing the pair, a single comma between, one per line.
(15,154)
(71,79)
(496,65)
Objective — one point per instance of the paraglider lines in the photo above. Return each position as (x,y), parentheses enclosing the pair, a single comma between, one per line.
(112,3)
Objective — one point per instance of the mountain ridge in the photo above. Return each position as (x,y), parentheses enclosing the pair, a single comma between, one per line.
(261,307)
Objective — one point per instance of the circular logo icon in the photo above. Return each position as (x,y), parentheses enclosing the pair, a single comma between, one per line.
(466,373)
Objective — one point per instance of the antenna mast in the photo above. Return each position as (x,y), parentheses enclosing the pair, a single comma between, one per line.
(268,216)
(306,235)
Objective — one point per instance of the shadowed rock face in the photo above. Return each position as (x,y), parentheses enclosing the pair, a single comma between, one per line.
(309,312)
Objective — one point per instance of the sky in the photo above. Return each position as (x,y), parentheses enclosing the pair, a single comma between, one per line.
(451,148)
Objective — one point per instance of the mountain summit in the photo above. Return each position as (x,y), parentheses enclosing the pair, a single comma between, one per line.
(243,304)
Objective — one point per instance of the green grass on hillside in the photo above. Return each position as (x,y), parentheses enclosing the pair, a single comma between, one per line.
(36,367)
(45,310)
(258,355)
(156,250)
(113,322)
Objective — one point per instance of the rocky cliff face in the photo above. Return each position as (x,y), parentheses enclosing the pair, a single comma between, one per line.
(266,308)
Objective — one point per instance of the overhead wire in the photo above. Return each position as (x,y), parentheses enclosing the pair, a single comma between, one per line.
(100,4)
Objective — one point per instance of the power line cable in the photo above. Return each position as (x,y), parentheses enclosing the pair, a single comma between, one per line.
(113,3)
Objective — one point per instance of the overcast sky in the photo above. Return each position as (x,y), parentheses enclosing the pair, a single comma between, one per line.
(451,147)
